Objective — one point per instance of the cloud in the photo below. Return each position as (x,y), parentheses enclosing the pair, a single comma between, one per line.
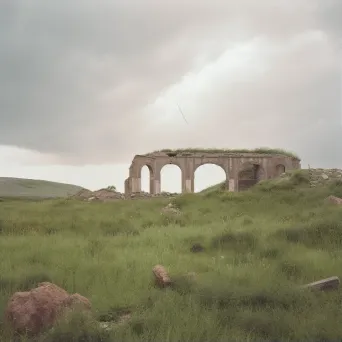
(97,82)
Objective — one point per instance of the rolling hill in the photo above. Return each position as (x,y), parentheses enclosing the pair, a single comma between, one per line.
(32,188)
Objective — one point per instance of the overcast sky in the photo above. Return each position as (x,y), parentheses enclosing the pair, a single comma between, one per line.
(85,85)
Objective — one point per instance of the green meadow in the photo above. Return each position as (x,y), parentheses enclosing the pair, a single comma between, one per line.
(259,247)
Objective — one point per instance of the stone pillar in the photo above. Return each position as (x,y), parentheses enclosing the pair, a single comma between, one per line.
(188,179)
(232,185)
(127,187)
(188,186)
(233,179)
(155,182)
(135,184)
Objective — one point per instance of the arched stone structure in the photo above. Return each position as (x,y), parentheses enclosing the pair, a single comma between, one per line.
(249,174)
(262,166)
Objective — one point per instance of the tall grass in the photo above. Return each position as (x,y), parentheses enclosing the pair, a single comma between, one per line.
(258,247)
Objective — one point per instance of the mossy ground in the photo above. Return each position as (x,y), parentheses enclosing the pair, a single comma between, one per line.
(259,246)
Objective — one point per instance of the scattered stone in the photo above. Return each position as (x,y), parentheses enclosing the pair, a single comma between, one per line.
(324,176)
(146,195)
(161,276)
(171,209)
(196,248)
(327,284)
(33,311)
(334,200)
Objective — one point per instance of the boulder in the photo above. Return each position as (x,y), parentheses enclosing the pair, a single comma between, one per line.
(33,311)
(161,276)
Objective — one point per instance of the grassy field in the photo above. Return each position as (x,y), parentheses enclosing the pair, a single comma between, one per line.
(260,245)
(31,188)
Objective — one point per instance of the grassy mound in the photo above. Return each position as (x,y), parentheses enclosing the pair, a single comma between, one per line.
(31,188)
(258,247)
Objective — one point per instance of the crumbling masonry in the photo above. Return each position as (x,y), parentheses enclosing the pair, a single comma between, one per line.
(242,170)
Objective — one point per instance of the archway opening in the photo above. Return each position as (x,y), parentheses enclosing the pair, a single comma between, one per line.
(280,168)
(171,179)
(146,176)
(249,175)
(210,176)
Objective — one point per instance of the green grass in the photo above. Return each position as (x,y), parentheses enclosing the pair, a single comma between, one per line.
(260,150)
(259,246)
(31,188)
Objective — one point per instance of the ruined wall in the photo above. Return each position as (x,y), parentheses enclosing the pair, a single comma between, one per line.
(259,166)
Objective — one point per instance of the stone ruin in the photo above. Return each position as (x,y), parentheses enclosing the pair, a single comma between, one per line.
(242,169)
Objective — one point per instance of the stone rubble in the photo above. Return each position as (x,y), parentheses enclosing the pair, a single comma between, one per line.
(320,177)
(171,209)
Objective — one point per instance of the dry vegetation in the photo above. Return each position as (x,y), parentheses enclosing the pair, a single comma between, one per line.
(258,246)
(260,150)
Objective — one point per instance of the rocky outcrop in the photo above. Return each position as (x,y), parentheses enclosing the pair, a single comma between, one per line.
(33,311)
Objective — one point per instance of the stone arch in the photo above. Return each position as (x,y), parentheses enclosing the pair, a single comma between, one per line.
(280,168)
(180,180)
(222,167)
(249,174)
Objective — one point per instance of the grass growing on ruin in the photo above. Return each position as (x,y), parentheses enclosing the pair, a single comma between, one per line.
(260,150)
(259,246)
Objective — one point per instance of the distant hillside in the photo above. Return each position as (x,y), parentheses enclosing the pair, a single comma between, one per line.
(31,188)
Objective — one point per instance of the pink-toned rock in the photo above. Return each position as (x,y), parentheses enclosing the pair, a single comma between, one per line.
(33,311)
(162,278)
(334,200)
